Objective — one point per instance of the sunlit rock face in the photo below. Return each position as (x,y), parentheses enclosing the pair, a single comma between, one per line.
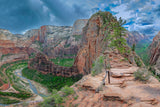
(92,43)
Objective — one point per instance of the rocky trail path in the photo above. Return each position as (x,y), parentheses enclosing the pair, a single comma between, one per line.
(123,91)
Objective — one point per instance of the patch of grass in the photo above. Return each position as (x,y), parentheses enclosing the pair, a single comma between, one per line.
(142,74)
(63,62)
(50,81)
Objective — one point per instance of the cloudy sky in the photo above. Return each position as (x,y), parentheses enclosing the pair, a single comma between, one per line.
(21,15)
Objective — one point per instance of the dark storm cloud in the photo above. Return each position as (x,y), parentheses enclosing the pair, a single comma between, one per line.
(65,14)
(19,15)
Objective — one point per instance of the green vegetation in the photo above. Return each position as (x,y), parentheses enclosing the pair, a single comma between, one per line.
(141,50)
(21,95)
(16,82)
(97,66)
(32,55)
(5,55)
(77,37)
(138,61)
(2,76)
(142,74)
(4,100)
(67,45)
(50,81)
(153,71)
(67,90)
(117,37)
(57,98)
(133,47)
(63,62)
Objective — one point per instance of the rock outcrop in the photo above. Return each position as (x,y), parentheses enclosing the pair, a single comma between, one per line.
(42,64)
(78,26)
(91,44)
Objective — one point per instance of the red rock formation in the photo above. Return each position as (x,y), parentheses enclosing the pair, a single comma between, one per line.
(15,50)
(5,87)
(42,33)
(7,43)
(42,64)
(92,42)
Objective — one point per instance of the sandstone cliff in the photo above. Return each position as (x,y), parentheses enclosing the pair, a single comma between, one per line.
(94,43)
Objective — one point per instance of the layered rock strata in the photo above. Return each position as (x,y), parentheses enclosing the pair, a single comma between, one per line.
(42,64)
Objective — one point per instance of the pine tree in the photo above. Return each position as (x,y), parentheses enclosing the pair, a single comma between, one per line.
(133,47)
(118,36)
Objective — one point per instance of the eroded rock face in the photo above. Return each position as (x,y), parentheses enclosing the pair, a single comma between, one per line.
(92,43)
(42,64)
(154,52)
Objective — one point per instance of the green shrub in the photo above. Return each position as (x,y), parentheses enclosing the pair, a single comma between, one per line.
(142,75)
(57,98)
(97,66)
(133,47)
(138,61)
(67,90)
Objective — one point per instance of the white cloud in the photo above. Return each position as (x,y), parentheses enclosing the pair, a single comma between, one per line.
(122,12)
